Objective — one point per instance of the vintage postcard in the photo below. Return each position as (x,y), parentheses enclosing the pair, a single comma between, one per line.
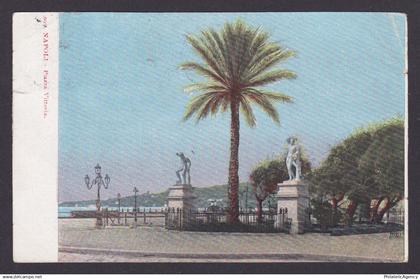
(210,137)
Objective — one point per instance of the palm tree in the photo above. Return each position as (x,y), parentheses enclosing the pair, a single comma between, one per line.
(237,62)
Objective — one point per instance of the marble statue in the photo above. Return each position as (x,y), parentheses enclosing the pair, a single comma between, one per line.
(185,169)
(293,159)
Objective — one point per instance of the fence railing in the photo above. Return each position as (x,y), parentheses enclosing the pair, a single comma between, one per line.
(217,221)
(139,216)
(395,215)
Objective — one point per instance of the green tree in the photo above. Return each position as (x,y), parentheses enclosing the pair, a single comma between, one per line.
(267,174)
(236,62)
(367,166)
(338,176)
(384,162)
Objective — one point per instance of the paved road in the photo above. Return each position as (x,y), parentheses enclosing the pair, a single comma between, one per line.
(79,257)
(80,241)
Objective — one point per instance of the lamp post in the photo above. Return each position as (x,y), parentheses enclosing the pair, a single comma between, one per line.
(99,182)
(135,190)
(119,206)
(246,197)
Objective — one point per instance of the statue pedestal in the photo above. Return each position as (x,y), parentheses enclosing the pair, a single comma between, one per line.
(181,197)
(180,201)
(294,196)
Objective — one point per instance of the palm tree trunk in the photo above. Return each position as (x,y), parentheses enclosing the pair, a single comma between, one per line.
(233,182)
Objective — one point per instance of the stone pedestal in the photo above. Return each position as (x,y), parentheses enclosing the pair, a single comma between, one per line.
(294,196)
(181,196)
(180,201)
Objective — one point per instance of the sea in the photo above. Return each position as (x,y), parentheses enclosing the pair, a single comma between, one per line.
(65,211)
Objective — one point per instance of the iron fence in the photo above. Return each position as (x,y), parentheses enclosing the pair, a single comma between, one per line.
(395,215)
(128,217)
(217,221)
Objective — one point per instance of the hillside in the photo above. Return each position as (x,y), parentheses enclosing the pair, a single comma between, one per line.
(158,199)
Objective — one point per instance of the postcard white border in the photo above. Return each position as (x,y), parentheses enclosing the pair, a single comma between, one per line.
(35,137)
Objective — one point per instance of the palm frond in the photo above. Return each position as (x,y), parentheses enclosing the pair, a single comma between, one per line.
(232,37)
(245,52)
(264,104)
(209,107)
(211,40)
(258,51)
(204,86)
(267,59)
(201,70)
(225,103)
(240,42)
(247,112)
(209,52)
(270,77)
(197,102)
(260,39)
(217,104)
(272,96)
(220,45)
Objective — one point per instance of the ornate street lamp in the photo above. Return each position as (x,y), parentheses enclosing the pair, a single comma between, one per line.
(119,206)
(119,201)
(135,190)
(246,197)
(99,182)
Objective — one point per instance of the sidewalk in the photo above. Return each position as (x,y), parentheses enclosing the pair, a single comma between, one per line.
(80,241)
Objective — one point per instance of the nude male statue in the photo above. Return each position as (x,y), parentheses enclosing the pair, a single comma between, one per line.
(185,169)
(293,159)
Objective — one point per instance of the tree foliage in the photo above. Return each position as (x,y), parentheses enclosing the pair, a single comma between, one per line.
(268,173)
(237,62)
(366,166)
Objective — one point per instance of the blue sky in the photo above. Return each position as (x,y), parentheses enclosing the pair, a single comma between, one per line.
(121,95)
